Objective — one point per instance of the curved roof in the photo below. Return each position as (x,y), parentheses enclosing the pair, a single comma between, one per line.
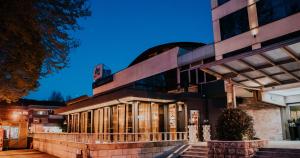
(151,52)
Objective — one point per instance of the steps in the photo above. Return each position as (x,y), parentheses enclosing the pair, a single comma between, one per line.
(277,153)
(195,151)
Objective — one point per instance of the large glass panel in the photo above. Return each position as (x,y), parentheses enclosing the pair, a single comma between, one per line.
(220,2)
(89,122)
(193,76)
(129,122)
(144,121)
(83,122)
(271,10)
(121,122)
(184,79)
(101,113)
(106,123)
(155,120)
(96,121)
(234,24)
(115,122)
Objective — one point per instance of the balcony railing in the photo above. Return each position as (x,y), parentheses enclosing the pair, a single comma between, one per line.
(104,138)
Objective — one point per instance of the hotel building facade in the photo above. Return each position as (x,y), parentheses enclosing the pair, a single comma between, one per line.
(253,64)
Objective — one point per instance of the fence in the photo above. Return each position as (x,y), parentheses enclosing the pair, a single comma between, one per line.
(103,138)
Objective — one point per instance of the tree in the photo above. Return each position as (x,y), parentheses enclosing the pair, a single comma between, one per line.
(56,96)
(235,124)
(68,98)
(35,41)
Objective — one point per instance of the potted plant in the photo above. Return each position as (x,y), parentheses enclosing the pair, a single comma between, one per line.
(292,129)
(235,134)
(298,127)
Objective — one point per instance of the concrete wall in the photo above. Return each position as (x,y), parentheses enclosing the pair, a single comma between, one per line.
(273,99)
(263,33)
(120,150)
(160,63)
(267,123)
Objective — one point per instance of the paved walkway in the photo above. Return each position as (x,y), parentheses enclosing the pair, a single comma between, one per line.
(284,144)
(24,154)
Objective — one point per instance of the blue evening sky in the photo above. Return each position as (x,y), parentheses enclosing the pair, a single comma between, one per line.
(118,31)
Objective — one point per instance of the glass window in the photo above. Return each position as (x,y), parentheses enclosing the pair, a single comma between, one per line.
(220,2)
(193,76)
(234,24)
(184,79)
(270,10)
(14,132)
(6,131)
(200,76)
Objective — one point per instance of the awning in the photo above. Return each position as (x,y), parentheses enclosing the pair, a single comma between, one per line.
(274,65)
(124,95)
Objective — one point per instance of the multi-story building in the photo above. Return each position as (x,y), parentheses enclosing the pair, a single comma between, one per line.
(253,64)
(20,118)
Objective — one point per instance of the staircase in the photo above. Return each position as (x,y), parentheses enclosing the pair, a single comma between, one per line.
(277,153)
(195,151)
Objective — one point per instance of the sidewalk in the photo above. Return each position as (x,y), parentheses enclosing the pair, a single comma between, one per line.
(25,153)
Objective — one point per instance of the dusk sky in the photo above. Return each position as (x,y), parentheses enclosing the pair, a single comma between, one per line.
(120,30)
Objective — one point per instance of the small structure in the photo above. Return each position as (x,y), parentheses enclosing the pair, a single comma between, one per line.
(19,118)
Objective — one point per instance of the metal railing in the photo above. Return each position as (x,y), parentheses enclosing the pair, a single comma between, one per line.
(104,138)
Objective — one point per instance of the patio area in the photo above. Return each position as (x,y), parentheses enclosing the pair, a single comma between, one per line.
(24,154)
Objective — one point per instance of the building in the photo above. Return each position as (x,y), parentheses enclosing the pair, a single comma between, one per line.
(257,44)
(20,118)
(142,100)
(253,64)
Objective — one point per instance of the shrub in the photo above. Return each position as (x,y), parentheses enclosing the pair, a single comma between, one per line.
(235,124)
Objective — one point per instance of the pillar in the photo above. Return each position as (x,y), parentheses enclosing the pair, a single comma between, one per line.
(230,92)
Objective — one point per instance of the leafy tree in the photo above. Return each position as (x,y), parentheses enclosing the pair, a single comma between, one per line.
(235,124)
(68,98)
(35,41)
(56,96)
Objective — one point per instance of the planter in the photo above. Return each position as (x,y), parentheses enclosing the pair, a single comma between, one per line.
(298,131)
(293,133)
(247,149)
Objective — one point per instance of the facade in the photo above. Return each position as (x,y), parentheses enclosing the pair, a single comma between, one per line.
(149,97)
(20,118)
(253,64)
(257,44)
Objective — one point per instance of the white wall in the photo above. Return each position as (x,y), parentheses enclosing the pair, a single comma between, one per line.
(273,99)
(267,123)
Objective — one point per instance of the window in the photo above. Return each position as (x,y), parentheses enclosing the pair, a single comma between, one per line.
(221,2)
(14,132)
(270,10)
(234,24)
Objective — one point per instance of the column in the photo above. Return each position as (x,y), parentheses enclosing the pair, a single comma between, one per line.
(230,91)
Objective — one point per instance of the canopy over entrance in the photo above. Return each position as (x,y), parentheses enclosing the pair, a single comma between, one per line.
(274,65)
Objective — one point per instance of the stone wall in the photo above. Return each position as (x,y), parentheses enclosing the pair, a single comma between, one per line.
(267,123)
(234,149)
(116,150)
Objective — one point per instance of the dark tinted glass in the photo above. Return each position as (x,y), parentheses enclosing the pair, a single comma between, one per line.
(193,76)
(234,24)
(161,82)
(220,2)
(271,10)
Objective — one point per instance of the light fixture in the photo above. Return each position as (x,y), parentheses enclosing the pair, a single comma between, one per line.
(254,32)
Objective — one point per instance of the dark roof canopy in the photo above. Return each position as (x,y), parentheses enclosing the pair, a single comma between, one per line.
(151,52)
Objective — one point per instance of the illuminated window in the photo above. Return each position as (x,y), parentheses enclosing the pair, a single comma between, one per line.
(14,132)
